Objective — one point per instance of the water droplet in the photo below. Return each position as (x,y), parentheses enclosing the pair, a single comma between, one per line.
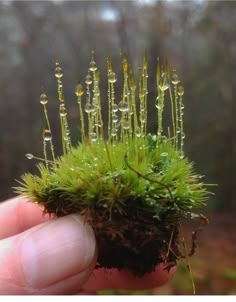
(158,106)
(164,155)
(79,90)
(87,107)
(114,108)
(163,83)
(58,72)
(47,135)
(123,106)
(113,132)
(131,112)
(93,66)
(93,136)
(138,132)
(29,155)
(112,77)
(142,109)
(180,90)
(43,99)
(142,117)
(125,124)
(60,83)
(67,131)
(88,79)
(175,79)
(115,118)
(63,112)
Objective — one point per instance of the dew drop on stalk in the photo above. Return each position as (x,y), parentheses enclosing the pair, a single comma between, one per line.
(180,90)
(58,72)
(142,109)
(29,155)
(157,105)
(123,106)
(114,108)
(138,132)
(174,79)
(125,124)
(115,118)
(142,117)
(67,131)
(79,90)
(88,79)
(47,135)
(43,99)
(87,108)
(113,132)
(93,136)
(112,77)
(163,83)
(59,82)
(93,66)
(63,112)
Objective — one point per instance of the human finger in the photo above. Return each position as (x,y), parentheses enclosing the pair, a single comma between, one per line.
(102,279)
(17,215)
(55,257)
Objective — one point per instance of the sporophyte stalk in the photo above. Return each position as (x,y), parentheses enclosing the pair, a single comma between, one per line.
(134,188)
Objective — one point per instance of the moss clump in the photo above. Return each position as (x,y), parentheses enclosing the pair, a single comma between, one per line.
(133,188)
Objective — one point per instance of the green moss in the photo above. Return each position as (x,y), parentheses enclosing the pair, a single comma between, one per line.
(133,187)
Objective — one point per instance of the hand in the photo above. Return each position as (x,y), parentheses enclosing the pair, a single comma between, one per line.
(39,255)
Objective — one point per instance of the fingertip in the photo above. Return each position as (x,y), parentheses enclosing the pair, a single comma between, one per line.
(55,257)
(102,279)
(57,250)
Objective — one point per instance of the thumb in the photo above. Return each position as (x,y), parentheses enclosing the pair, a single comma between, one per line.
(55,257)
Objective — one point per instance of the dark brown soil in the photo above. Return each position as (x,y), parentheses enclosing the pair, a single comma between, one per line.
(137,244)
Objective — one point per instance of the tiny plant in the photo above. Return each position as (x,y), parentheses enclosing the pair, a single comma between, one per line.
(134,188)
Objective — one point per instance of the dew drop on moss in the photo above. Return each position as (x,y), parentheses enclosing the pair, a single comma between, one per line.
(113,132)
(138,132)
(58,72)
(43,99)
(47,135)
(125,124)
(93,136)
(87,108)
(115,118)
(29,155)
(79,90)
(175,79)
(112,77)
(114,108)
(63,112)
(123,106)
(93,66)
(88,79)
(180,90)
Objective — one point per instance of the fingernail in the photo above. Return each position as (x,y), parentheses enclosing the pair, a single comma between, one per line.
(57,250)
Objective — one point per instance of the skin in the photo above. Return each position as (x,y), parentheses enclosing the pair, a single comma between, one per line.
(43,255)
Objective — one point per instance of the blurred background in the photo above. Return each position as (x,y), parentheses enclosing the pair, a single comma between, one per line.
(197,37)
